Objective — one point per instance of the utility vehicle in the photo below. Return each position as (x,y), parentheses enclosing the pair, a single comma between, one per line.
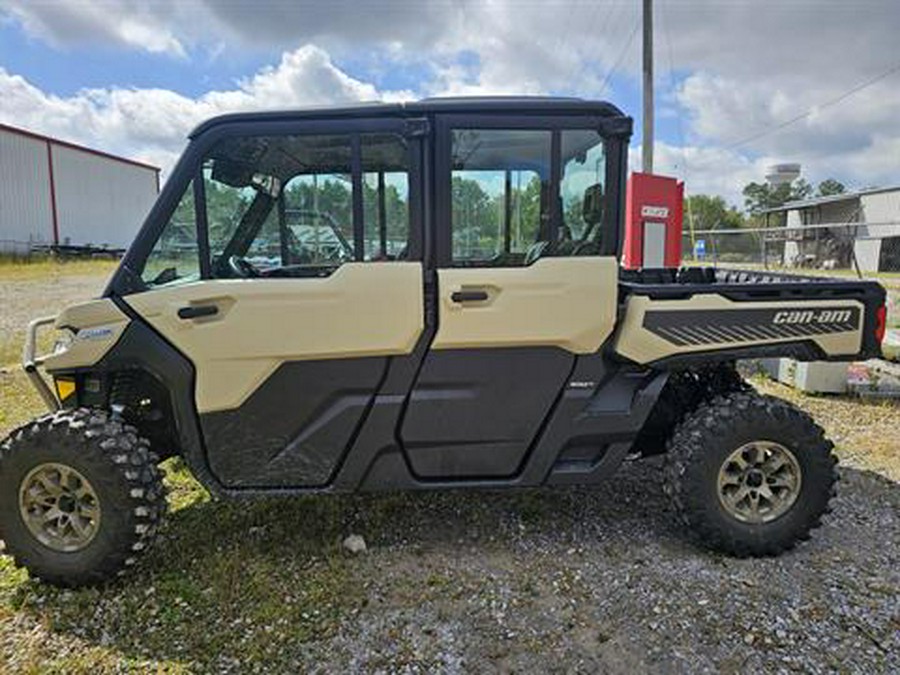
(464,322)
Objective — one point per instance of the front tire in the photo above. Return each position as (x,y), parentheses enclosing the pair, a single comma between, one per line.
(750,475)
(80,496)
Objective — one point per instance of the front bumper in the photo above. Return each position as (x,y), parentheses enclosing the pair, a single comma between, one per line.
(32,363)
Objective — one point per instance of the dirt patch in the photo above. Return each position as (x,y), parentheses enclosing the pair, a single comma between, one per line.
(26,299)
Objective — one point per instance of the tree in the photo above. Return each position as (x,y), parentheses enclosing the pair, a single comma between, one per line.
(475,219)
(708,213)
(830,186)
(761,196)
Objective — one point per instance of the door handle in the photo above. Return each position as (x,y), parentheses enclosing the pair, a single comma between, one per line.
(469,296)
(197,311)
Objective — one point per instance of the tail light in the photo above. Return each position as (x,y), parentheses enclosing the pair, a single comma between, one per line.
(880,323)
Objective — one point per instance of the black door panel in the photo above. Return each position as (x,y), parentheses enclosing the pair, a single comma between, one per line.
(295,428)
(474,412)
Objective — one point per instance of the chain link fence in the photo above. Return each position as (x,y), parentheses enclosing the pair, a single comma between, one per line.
(861,248)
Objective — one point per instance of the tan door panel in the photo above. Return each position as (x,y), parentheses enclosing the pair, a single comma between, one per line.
(559,302)
(362,309)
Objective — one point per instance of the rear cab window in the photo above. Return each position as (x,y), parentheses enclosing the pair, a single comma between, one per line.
(520,194)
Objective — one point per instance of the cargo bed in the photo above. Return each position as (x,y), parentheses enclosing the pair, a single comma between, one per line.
(706,313)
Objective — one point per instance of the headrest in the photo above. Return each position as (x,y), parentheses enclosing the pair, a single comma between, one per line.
(592,205)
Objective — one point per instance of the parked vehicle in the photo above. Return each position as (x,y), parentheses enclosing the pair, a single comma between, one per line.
(485,337)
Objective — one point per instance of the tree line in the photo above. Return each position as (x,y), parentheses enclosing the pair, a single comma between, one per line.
(707,212)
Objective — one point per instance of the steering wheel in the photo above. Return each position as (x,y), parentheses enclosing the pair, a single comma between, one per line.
(535,251)
(242,268)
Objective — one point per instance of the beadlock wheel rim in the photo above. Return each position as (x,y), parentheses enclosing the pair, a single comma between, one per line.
(759,482)
(59,507)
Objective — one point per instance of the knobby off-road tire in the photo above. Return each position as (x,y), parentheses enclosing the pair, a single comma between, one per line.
(90,465)
(731,446)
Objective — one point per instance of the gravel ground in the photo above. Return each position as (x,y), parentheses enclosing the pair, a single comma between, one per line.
(27,299)
(534,581)
(603,581)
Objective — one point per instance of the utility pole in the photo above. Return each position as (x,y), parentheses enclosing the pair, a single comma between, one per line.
(647,145)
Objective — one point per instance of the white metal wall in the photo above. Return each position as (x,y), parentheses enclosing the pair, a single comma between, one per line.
(880,209)
(883,207)
(100,201)
(25,210)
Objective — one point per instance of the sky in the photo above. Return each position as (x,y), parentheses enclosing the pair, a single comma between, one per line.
(739,84)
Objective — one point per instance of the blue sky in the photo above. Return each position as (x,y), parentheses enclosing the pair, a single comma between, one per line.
(133,78)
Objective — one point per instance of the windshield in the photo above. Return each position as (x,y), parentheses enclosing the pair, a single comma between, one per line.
(174,258)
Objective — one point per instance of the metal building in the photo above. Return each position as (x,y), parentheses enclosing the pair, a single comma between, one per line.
(859,228)
(59,194)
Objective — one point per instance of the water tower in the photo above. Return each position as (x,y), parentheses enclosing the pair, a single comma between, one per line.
(780,174)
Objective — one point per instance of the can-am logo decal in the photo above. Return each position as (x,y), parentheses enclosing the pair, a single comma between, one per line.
(100,333)
(730,326)
(813,316)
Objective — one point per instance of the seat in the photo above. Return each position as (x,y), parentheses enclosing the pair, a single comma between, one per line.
(592,208)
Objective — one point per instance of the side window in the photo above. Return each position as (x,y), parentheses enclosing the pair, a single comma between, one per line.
(174,258)
(284,205)
(499,179)
(385,184)
(279,205)
(226,206)
(317,204)
(582,189)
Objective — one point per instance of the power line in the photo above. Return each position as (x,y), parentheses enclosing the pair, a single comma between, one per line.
(827,104)
(672,83)
(637,24)
(678,120)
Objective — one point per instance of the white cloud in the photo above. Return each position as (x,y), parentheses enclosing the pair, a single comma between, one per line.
(152,123)
(139,25)
(742,67)
(705,170)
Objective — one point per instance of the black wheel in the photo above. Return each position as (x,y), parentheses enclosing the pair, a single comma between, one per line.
(80,496)
(750,475)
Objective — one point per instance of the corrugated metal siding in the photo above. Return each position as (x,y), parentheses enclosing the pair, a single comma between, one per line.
(100,201)
(25,211)
(882,207)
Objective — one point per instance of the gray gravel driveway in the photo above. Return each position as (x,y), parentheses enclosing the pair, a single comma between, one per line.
(603,581)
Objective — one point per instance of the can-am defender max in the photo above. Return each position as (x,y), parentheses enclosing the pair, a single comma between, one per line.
(417,296)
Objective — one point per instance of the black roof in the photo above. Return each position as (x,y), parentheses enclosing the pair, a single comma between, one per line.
(457,104)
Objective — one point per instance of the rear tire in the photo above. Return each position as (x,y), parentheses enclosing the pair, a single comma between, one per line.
(684,392)
(750,475)
(80,496)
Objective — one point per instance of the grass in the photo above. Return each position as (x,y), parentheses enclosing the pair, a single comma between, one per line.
(39,267)
(249,582)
